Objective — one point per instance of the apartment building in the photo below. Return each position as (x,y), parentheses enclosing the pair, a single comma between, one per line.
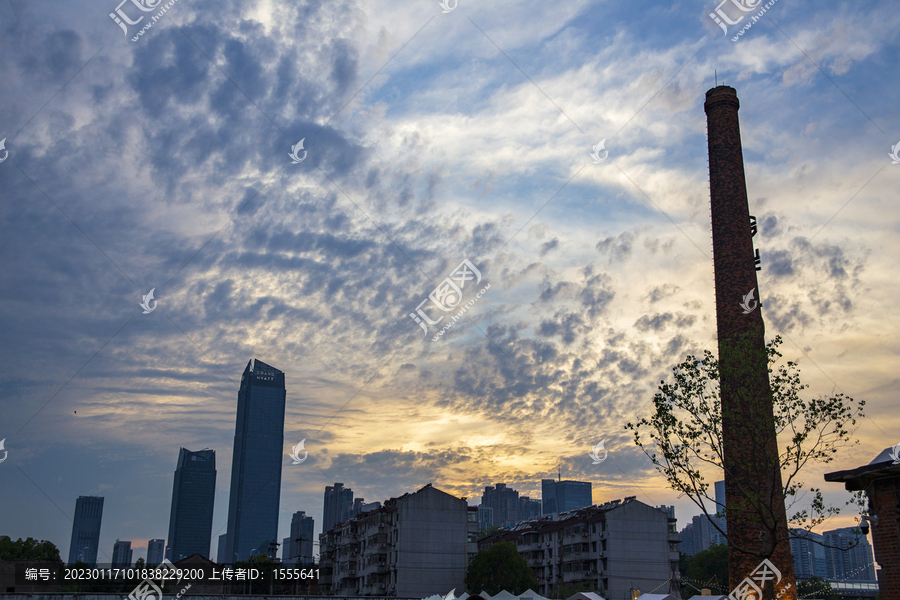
(613,548)
(414,546)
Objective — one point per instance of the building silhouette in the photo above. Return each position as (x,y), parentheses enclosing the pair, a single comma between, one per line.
(85,541)
(503,502)
(529,509)
(156,552)
(256,464)
(809,554)
(848,555)
(299,545)
(193,496)
(221,552)
(122,554)
(338,503)
(563,496)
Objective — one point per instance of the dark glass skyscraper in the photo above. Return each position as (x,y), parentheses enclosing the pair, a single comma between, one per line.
(334,508)
(193,495)
(86,529)
(256,466)
(562,496)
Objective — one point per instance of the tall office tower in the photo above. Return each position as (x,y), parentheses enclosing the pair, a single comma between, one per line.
(193,495)
(86,530)
(562,496)
(504,501)
(848,555)
(156,552)
(221,553)
(335,498)
(715,536)
(808,553)
(529,510)
(122,553)
(299,545)
(749,443)
(720,494)
(256,464)
(485,517)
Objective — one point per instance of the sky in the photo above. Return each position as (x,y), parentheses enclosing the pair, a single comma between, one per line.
(430,135)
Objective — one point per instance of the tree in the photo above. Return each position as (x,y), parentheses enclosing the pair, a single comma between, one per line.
(499,567)
(686,429)
(707,569)
(487,532)
(29,549)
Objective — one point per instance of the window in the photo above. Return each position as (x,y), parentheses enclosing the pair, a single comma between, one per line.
(472,516)
(471,537)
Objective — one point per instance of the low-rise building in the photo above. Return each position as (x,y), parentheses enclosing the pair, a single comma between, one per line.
(414,546)
(613,548)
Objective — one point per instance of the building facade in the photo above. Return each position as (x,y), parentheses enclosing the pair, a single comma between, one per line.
(221,550)
(156,552)
(504,504)
(299,545)
(809,554)
(700,534)
(610,548)
(85,541)
(414,546)
(334,509)
(529,509)
(848,555)
(255,495)
(122,554)
(193,496)
(563,496)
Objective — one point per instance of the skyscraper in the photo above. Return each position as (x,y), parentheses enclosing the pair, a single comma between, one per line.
(221,551)
(193,495)
(562,496)
(505,504)
(336,498)
(122,553)
(299,545)
(86,530)
(848,555)
(256,464)
(809,554)
(156,552)
(529,509)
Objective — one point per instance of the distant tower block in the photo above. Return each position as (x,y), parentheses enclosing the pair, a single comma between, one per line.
(748,429)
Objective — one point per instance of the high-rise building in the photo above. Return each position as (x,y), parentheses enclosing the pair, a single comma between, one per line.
(156,552)
(720,494)
(848,555)
(562,496)
(193,495)
(85,541)
(336,499)
(485,517)
(256,464)
(809,554)
(221,552)
(529,509)
(122,553)
(505,504)
(700,534)
(299,545)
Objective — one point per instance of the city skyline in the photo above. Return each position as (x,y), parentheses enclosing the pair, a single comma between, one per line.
(159,230)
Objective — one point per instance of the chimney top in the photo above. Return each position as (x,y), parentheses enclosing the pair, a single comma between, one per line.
(722,94)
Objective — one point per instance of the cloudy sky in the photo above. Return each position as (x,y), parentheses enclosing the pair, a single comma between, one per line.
(429,137)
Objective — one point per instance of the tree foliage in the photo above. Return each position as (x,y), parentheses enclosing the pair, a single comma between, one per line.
(29,549)
(499,567)
(707,569)
(685,438)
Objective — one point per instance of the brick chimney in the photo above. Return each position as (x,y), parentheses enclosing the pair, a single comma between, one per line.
(748,428)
